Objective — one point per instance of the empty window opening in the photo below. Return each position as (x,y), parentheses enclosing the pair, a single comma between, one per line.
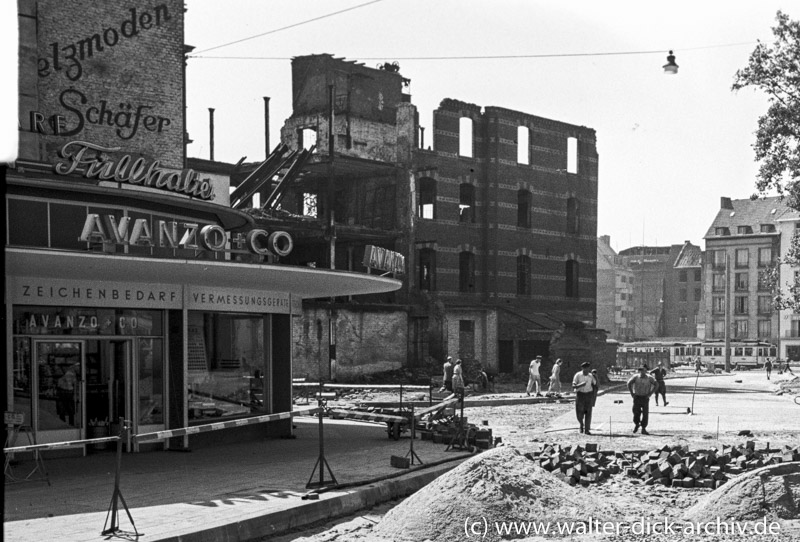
(427,269)
(308,204)
(572,155)
(573,215)
(466,205)
(466,272)
(572,276)
(465,137)
(523,209)
(523,145)
(523,275)
(427,198)
(308,138)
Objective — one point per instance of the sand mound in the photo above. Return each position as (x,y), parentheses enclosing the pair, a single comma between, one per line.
(498,485)
(770,490)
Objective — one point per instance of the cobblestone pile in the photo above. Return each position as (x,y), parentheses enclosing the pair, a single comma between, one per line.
(674,465)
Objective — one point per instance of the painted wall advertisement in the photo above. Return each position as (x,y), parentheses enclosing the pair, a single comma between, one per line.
(112,75)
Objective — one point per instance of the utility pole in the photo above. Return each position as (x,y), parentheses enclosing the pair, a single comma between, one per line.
(211,133)
(331,187)
(266,126)
(331,227)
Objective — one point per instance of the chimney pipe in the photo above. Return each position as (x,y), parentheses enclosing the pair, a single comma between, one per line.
(421,137)
(266,126)
(725,203)
(211,132)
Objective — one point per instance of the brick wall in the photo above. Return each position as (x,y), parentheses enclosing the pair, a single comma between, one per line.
(113,71)
(366,342)
(494,236)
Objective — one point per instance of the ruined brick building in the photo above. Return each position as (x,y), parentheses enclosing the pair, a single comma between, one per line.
(496,219)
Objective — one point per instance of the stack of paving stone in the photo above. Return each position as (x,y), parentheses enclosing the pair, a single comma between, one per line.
(575,464)
(674,466)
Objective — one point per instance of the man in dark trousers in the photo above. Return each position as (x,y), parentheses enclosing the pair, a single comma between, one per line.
(641,387)
(583,384)
(768,367)
(659,373)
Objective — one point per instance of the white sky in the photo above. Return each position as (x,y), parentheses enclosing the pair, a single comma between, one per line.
(669,146)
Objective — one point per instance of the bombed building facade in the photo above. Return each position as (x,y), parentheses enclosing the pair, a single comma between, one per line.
(494,221)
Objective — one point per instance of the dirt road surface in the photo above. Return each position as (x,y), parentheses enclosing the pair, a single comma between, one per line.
(703,412)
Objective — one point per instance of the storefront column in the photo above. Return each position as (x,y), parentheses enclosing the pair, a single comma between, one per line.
(177,416)
(282,371)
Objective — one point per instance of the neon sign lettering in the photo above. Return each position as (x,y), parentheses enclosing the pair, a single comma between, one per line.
(127,170)
(125,231)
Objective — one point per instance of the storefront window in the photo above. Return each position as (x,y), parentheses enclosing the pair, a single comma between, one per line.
(65,222)
(151,381)
(59,368)
(35,233)
(22,379)
(82,366)
(228,365)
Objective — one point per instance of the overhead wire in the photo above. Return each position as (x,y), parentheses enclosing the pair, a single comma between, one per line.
(494,57)
(285,28)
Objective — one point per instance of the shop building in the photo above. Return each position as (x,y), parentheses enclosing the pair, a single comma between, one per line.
(133,289)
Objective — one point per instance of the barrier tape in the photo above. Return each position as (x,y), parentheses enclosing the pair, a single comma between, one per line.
(161,435)
(361,386)
(352,415)
(436,408)
(53,445)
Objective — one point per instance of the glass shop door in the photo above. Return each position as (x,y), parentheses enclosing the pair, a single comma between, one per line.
(108,383)
(59,399)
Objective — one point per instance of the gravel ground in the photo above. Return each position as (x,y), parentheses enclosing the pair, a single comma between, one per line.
(632,503)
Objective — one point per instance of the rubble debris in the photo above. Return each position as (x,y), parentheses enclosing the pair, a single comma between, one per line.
(673,466)
(499,485)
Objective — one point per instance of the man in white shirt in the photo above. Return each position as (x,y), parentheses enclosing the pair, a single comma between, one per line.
(583,384)
(555,378)
(534,377)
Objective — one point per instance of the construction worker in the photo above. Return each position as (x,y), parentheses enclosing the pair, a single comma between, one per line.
(583,384)
(641,387)
(534,377)
(659,373)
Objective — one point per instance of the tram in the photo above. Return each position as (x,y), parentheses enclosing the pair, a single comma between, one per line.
(744,354)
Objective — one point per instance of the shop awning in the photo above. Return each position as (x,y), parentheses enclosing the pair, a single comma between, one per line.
(301,282)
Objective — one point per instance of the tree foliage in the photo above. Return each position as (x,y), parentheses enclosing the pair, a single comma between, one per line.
(775,70)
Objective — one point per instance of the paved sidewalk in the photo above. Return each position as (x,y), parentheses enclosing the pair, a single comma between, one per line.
(246,490)
(731,402)
(232,491)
